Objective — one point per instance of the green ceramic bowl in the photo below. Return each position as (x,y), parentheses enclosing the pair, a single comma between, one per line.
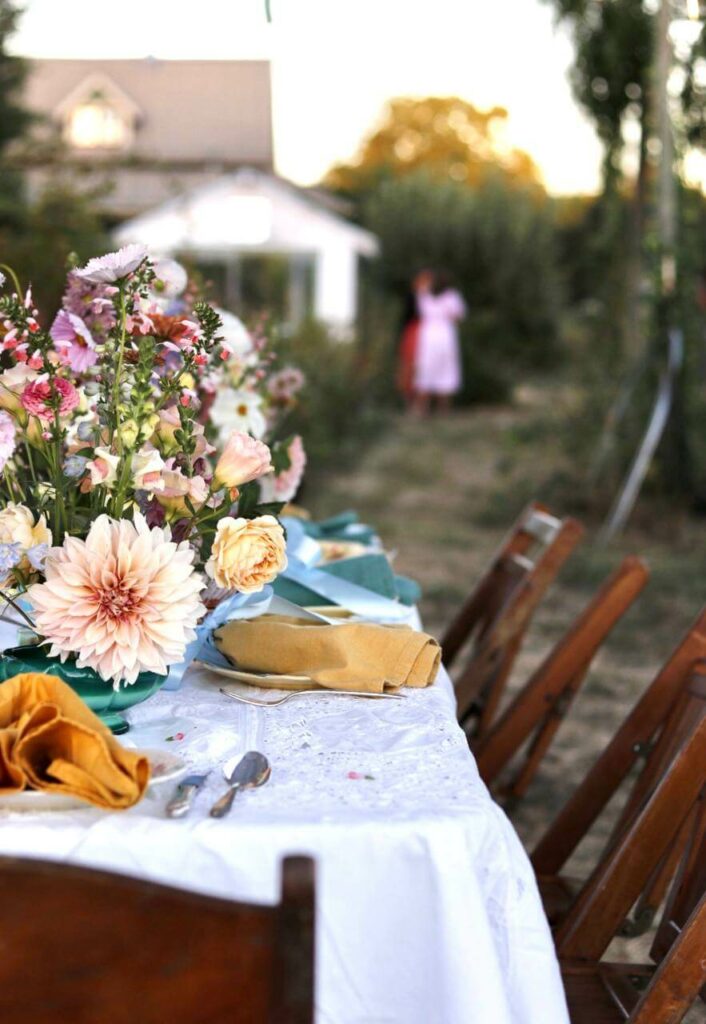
(99,695)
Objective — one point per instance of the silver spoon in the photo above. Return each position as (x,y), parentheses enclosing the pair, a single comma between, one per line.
(251,770)
(304,693)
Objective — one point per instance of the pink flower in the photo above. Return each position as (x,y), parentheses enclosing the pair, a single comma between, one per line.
(93,303)
(113,266)
(7,437)
(178,487)
(124,601)
(243,459)
(74,341)
(169,422)
(286,383)
(37,397)
(138,322)
(285,485)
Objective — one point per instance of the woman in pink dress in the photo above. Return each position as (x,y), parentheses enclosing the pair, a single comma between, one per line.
(438,357)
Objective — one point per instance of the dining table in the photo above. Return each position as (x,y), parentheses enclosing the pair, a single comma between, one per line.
(427,907)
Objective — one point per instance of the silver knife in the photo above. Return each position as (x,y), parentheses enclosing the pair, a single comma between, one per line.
(181,802)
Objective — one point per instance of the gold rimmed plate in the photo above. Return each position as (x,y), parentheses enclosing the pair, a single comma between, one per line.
(267,679)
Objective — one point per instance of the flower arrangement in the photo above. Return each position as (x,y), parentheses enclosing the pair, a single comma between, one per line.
(118,515)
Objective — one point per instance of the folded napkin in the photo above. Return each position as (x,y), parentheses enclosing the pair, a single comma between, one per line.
(51,740)
(344,526)
(371,571)
(349,656)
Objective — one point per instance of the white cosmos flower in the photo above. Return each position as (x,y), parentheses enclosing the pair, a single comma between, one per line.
(238,410)
(113,266)
(170,279)
(235,336)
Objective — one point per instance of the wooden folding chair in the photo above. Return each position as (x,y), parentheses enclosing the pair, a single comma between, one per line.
(83,946)
(600,992)
(496,615)
(652,732)
(539,708)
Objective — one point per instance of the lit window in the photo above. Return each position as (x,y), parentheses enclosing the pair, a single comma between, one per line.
(96,125)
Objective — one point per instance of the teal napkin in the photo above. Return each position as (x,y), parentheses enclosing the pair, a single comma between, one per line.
(371,571)
(344,526)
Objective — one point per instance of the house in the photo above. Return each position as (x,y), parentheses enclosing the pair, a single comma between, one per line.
(149,128)
(236,227)
(186,148)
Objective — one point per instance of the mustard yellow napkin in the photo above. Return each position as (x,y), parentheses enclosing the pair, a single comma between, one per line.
(351,656)
(51,740)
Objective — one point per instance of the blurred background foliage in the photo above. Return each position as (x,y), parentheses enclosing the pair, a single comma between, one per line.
(561,292)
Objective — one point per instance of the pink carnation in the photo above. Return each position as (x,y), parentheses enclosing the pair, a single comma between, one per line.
(37,397)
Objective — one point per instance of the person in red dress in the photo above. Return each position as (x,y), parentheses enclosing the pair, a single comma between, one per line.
(409,335)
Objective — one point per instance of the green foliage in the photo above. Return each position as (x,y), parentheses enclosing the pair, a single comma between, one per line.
(347,393)
(496,241)
(60,224)
(14,118)
(611,69)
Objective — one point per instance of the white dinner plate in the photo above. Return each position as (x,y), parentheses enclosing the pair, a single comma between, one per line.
(266,679)
(164,767)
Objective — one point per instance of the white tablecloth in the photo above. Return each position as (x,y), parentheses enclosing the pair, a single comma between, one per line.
(427,907)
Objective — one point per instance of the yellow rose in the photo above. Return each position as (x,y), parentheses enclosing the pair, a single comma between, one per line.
(247,553)
(17,526)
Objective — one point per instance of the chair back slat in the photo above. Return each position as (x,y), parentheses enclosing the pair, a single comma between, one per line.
(680,976)
(619,878)
(541,525)
(688,888)
(480,605)
(497,614)
(84,946)
(543,702)
(633,740)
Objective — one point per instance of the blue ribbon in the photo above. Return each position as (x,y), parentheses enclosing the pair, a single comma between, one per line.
(359,600)
(239,606)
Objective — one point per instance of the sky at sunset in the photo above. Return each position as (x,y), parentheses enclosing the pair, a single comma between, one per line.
(335,63)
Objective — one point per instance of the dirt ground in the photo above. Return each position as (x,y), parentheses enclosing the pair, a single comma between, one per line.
(443,491)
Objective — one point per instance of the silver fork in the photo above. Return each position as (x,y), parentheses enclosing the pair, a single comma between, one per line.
(305,693)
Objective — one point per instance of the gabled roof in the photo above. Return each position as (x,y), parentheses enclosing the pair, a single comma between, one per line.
(205,220)
(189,111)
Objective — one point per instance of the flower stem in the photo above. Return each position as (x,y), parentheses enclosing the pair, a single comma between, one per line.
(119,367)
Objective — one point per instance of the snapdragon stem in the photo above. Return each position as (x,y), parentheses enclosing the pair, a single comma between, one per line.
(119,367)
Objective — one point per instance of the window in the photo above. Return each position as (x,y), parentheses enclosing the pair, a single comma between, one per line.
(95,124)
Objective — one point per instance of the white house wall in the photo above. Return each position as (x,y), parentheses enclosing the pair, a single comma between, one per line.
(218,222)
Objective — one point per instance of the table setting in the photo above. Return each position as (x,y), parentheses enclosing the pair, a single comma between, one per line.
(198,678)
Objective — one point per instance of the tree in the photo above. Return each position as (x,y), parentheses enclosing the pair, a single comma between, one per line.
(14,117)
(37,235)
(447,137)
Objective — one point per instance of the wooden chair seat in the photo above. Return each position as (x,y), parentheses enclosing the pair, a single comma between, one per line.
(603,993)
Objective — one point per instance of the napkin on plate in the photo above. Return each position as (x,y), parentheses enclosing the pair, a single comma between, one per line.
(51,740)
(349,656)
